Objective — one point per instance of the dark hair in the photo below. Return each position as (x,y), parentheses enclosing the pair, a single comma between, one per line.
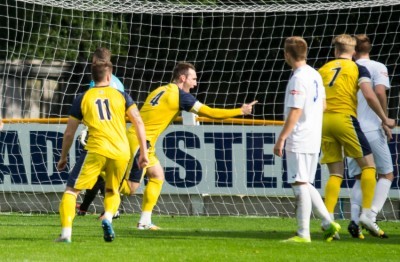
(100,69)
(363,44)
(296,47)
(102,53)
(182,68)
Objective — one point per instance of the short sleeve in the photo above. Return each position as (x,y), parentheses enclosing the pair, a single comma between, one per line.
(76,109)
(381,76)
(296,93)
(128,100)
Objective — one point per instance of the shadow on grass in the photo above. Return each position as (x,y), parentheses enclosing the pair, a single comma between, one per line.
(244,234)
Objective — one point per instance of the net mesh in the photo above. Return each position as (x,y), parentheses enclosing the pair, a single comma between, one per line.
(236,46)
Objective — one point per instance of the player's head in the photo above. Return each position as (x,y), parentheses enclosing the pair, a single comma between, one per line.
(101,71)
(344,45)
(101,53)
(295,49)
(363,45)
(184,75)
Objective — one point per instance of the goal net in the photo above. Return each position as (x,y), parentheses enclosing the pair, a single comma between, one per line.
(214,168)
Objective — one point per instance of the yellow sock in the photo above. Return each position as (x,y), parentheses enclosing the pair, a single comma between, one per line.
(112,200)
(368,183)
(332,190)
(67,209)
(151,194)
(124,188)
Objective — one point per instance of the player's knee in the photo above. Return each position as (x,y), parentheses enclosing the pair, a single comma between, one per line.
(72,191)
(133,185)
(388,176)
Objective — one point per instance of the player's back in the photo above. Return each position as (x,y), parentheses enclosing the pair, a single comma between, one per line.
(340,78)
(103,111)
(306,91)
(379,75)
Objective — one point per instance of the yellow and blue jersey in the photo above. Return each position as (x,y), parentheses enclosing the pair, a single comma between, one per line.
(341,78)
(103,110)
(161,107)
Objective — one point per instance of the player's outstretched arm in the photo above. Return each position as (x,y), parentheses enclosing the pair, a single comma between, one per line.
(1,124)
(68,139)
(219,113)
(374,104)
(136,120)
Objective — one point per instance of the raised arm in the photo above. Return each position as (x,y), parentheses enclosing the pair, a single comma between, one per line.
(219,113)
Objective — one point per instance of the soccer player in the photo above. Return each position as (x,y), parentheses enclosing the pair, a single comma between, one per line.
(159,110)
(103,110)
(304,106)
(341,131)
(90,194)
(371,125)
(104,54)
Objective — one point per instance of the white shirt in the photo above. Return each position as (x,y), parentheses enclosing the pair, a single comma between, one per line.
(369,121)
(305,90)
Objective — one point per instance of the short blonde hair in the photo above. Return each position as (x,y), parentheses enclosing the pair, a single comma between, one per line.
(296,46)
(345,43)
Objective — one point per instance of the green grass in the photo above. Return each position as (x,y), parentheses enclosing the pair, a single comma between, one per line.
(30,238)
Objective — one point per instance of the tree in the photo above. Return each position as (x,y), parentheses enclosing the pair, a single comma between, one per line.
(53,33)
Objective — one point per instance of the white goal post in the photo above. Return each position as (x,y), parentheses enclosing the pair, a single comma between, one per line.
(212,168)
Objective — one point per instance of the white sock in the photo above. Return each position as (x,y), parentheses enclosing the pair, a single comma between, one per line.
(355,201)
(381,192)
(108,216)
(319,207)
(66,232)
(145,218)
(303,210)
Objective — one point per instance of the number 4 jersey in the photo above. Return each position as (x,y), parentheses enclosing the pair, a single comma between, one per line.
(103,110)
(162,106)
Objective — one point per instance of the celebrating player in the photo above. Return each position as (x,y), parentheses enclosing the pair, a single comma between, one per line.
(103,110)
(371,125)
(341,131)
(160,108)
(304,106)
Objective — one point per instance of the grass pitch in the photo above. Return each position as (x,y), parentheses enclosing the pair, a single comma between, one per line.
(30,238)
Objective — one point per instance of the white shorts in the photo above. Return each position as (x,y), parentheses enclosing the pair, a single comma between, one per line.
(301,167)
(380,150)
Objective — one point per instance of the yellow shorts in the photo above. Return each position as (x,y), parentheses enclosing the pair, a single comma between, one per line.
(342,133)
(90,165)
(134,173)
